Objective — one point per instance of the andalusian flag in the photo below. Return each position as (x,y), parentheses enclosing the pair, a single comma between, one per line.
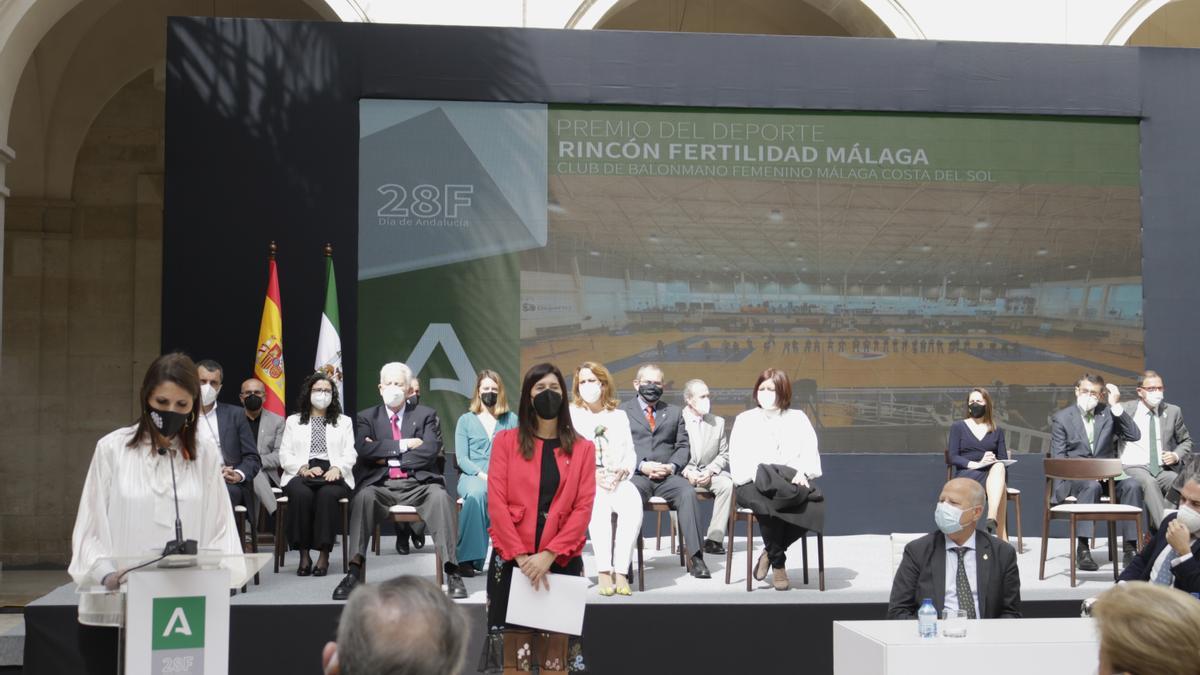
(329,342)
(268,362)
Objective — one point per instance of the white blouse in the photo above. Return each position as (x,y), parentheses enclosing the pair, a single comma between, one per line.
(772,437)
(127,508)
(616,445)
(339,446)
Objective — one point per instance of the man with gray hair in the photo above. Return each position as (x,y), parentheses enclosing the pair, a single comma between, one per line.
(399,447)
(403,626)
(708,467)
(958,567)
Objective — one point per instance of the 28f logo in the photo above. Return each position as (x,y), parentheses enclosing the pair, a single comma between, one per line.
(425,201)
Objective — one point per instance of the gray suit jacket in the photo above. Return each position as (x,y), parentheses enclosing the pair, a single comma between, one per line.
(270,434)
(1068,438)
(1178,440)
(668,443)
(709,445)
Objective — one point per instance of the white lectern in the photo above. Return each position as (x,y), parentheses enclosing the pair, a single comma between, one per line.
(174,612)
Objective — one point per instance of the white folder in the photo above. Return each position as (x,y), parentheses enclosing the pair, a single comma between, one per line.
(558,610)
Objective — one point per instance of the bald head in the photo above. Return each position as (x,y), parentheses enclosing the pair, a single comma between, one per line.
(970,491)
(967,496)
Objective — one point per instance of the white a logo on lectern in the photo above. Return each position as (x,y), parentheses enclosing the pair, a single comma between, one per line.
(464,372)
(177,624)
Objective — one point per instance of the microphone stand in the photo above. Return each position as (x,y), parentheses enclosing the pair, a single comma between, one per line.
(179,545)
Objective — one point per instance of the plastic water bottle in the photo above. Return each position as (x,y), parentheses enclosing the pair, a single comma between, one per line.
(927,619)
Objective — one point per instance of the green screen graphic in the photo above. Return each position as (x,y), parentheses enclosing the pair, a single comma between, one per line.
(888,262)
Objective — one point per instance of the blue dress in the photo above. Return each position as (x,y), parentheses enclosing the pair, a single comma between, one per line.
(964,447)
(473,451)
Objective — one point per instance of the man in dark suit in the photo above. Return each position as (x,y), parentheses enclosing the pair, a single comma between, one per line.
(398,449)
(225,425)
(958,567)
(1091,428)
(1170,557)
(660,441)
(1154,461)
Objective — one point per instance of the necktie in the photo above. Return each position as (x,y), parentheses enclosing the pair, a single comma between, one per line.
(1155,462)
(650,417)
(394,472)
(1166,575)
(1089,423)
(962,585)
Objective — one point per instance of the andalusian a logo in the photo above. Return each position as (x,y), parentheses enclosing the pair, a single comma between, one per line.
(178,623)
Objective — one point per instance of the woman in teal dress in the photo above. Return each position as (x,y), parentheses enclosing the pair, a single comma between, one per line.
(488,414)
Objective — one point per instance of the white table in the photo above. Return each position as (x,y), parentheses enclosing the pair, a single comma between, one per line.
(1000,646)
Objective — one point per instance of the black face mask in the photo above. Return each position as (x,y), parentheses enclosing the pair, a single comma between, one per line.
(547,404)
(168,423)
(412,401)
(976,409)
(650,393)
(253,402)
(489,398)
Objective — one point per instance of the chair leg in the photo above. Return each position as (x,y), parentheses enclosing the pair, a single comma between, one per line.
(345,538)
(804,554)
(641,566)
(749,553)
(1073,550)
(671,522)
(437,559)
(729,548)
(279,517)
(1113,551)
(658,530)
(1017,506)
(821,559)
(375,539)
(1045,537)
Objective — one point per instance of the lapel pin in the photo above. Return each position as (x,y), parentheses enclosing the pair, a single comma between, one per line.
(985,556)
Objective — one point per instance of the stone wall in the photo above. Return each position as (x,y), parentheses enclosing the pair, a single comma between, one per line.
(82,307)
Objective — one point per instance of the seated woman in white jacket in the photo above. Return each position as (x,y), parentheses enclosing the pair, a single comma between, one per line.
(595,416)
(773,434)
(317,457)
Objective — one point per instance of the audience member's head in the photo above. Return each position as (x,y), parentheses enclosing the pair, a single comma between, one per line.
(403,626)
(394,379)
(959,506)
(649,382)
(697,397)
(1147,630)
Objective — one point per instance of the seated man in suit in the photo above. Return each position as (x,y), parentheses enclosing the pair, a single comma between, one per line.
(958,567)
(267,428)
(1087,429)
(416,531)
(660,441)
(226,426)
(708,466)
(1165,444)
(398,449)
(1170,557)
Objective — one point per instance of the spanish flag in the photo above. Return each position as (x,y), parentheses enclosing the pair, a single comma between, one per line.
(268,362)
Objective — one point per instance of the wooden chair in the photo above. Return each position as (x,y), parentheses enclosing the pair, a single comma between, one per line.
(1082,468)
(658,506)
(736,515)
(401,513)
(241,521)
(1014,500)
(702,495)
(281,504)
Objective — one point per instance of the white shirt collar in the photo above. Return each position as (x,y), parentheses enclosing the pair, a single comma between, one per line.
(969,545)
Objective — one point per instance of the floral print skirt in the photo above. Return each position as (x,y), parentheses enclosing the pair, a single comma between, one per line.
(536,651)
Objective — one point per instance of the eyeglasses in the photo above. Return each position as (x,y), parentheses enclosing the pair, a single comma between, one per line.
(1152,388)
(244,394)
(322,391)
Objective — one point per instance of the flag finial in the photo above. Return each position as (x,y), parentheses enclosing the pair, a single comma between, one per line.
(328,250)
(274,249)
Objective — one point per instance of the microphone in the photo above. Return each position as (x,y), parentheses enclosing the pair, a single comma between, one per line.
(179,546)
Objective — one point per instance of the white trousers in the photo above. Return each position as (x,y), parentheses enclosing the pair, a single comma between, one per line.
(626,502)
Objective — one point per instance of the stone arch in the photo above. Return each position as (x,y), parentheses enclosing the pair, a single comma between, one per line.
(859,18)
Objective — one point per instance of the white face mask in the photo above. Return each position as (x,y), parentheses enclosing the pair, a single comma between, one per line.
(1087,402)
(702,405)
(1154,398)
(1189,518)
(393,396)
(208,394)
(590,391)
(321,399)
(766,400)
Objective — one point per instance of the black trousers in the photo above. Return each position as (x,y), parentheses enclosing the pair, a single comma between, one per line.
(313,513)
(777,536)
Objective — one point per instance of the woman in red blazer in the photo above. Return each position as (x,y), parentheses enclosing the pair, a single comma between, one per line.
(541,485)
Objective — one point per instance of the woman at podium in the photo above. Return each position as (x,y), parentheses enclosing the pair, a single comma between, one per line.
(127,509)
